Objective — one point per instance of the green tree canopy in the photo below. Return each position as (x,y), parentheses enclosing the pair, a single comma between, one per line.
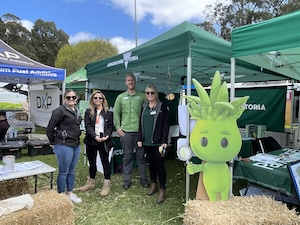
(42,43)
(223,16)
(73,57)
(47,40)
(14,34)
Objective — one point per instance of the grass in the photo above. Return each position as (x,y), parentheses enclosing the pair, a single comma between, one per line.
(126,207)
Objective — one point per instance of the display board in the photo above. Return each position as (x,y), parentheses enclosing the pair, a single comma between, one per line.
(294,170)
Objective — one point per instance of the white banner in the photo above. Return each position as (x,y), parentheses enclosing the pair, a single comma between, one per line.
(42,103)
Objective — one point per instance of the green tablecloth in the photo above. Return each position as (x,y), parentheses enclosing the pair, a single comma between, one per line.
(270,176)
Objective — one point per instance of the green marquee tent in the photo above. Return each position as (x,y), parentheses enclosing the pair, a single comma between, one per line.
(272,44)
(183,52)
(76,80)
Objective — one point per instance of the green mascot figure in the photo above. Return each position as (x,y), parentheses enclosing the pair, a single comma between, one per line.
(215,138)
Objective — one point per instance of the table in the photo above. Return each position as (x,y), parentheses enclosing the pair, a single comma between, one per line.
(27,169)
(274,176)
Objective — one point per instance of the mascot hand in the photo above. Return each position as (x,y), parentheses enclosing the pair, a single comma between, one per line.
(193,168)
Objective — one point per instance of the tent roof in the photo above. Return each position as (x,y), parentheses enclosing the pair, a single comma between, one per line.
(272,44)
(18,69)
(162,61)
(76,80)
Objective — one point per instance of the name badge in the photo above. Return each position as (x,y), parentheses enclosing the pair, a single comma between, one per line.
(152,113)
(125,98)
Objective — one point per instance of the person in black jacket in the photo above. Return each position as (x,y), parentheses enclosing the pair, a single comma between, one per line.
(63,132)
(153,135)
(4,125)
(99,126)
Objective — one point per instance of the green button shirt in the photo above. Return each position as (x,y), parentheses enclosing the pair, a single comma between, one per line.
(127,110)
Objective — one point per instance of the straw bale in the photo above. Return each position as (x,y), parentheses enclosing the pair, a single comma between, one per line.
(49,208)
(13,188)
(248,210)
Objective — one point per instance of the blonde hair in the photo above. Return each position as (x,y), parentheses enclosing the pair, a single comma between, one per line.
(151,86)
(92,105)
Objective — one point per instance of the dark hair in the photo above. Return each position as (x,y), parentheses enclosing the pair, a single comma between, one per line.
(68,91)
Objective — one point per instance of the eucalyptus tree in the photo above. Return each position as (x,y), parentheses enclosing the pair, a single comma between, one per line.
(47,41)
(225,15)
(13,33)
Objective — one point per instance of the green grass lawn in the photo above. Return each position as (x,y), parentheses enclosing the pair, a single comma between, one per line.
(127,207)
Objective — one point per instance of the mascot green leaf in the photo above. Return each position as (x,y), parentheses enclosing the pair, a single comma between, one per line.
(215,138)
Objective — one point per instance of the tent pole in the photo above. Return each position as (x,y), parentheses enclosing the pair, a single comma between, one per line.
(28,101)
(232,96)
(63,87)
(188,88)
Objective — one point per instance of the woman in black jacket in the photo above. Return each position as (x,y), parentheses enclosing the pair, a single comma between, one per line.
(98,122)
(153,135)
(63,132)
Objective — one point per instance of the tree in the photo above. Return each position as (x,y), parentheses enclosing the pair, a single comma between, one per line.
(14,34)
(226,15)
(73,57)
(47,41)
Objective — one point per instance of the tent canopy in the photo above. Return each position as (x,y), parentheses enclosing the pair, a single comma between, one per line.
(76,80)
(272,44)
(16,68)
(163,61)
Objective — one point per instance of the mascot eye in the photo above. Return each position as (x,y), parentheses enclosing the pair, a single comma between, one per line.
(224,142)
(203,141)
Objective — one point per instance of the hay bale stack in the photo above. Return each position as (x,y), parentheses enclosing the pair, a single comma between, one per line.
(49,208)
(250,210)
(13,188)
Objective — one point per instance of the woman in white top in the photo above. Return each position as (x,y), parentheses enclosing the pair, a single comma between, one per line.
(99,126)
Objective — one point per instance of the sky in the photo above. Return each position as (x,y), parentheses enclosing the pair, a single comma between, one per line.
(124,23)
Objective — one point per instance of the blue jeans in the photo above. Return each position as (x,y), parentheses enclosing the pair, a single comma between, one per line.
(67,158)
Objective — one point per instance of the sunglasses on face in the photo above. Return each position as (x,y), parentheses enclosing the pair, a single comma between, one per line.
(99,98)
(151,92)
(71,97)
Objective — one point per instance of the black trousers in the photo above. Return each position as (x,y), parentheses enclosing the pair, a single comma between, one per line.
(91,152)
(156,165)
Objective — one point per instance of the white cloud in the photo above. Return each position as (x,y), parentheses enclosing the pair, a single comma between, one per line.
(81,36)
(165,12)
(27,24)
(121,43)
(162,13)
(124,44)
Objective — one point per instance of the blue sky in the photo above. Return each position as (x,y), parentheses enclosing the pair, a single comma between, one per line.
(108,19)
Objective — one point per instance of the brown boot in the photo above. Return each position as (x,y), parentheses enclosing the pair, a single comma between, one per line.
(153,189)
(89,184)
(161,196)
(106,188)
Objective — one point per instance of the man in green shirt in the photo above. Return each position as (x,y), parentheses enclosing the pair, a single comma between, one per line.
(127,110)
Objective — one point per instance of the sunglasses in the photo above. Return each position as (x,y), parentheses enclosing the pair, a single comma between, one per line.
(151,92)
(99,98)
(71,97)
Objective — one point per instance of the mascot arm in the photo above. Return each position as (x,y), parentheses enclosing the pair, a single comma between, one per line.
(194,168)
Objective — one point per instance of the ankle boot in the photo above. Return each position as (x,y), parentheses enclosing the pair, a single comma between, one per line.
(153,189)
(161,196)
(89,184)
(106,188)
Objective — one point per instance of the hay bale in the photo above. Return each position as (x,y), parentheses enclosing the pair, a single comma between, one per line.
(13,188)
(250,210)
(49,208)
